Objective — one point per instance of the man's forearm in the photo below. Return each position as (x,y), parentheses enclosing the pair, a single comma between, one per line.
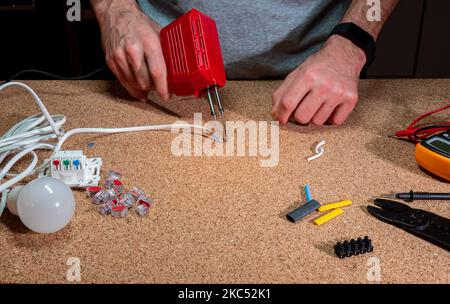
(357,13)
(103,7)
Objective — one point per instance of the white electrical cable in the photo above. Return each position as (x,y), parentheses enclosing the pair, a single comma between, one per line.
(39,102)
(319,151)
(123,130)
(44,132)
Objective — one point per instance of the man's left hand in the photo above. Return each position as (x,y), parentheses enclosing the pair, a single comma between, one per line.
(324,88)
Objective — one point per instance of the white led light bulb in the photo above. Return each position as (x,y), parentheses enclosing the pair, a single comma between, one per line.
(45,205)
(12,200)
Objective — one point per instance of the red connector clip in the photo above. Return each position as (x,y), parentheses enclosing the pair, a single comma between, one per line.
(191,50)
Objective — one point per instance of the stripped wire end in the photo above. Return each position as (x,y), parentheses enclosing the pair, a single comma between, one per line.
(217,138)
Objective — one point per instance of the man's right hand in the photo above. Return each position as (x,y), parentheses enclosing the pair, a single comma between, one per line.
(132,47)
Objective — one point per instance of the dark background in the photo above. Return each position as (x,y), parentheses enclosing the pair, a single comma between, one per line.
(36,34)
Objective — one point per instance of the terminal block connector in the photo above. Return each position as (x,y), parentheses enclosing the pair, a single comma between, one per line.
(74,168)
(353,247)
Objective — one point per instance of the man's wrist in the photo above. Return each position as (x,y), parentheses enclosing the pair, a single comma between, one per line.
(116,9)
(347,50)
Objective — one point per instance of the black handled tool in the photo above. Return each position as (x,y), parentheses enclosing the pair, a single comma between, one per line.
(414,196)
(424,224)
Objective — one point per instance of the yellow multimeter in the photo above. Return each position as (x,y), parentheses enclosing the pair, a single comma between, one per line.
(433,154)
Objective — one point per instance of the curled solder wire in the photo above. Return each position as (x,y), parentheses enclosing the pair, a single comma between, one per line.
(319,151)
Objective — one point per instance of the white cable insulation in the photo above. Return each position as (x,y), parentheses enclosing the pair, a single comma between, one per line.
(123,130)
(38,101)
(21,175)
(319,151)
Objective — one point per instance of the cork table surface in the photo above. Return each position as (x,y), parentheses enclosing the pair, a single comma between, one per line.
(221,219)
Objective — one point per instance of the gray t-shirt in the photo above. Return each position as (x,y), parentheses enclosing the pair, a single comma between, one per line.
(260,38)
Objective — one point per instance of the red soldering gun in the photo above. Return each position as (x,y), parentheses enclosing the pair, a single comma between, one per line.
(191,50)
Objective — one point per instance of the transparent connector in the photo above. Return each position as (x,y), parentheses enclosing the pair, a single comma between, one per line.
(117,186)
(111,178)
(119,211)
(137,192)
(144,204)
(142,209)
(115,199)
(109,183)
(106,208)
(92,190)
(103,196)
(127,200)
(114,174)
(143,199)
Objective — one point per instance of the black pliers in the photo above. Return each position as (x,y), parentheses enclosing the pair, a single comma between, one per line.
(424,224)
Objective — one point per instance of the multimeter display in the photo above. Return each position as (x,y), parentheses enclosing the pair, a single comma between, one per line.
(439,144)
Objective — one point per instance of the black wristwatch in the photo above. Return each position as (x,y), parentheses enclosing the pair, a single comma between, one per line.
(360,38)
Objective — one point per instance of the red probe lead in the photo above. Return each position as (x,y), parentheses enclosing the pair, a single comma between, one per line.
(415,134)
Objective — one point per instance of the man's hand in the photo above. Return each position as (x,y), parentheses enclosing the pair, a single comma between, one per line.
(324,88)
(132,47)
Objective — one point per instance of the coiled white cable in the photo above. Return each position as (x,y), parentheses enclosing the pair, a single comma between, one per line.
(44,132)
